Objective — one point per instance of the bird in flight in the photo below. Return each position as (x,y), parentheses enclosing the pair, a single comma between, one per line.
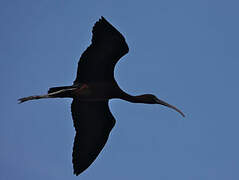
(91,91)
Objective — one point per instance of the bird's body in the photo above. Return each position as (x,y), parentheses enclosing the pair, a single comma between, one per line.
(98,91)
(91,91)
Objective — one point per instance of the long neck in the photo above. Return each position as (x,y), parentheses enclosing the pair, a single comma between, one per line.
(133,99)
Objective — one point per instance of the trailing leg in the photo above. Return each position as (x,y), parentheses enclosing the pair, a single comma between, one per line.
(55,94)
(21,100)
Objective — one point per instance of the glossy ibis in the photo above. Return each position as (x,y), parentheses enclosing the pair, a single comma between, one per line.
(91,91)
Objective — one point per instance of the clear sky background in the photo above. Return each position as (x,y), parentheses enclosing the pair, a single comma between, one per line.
(185,52)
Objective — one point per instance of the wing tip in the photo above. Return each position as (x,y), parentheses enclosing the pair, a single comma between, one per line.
(76,172)
(80,168)
(102,24)
(104,29)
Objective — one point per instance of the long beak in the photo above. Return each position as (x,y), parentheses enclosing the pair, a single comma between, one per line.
(169,105)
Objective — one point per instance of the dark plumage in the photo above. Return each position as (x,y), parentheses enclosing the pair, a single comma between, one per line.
(93,87)
(92,131)
(98,61)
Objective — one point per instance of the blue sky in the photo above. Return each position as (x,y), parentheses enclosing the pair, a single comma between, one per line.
(185,52)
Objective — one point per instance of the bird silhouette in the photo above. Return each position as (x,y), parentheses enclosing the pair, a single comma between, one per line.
(91,91)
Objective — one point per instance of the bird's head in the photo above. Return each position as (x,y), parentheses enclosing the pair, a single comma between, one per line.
(152,99)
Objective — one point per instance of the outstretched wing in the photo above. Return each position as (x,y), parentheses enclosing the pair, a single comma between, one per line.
(98,61)
(93,122)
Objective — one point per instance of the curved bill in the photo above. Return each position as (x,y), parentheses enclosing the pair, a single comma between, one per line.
(169,105)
